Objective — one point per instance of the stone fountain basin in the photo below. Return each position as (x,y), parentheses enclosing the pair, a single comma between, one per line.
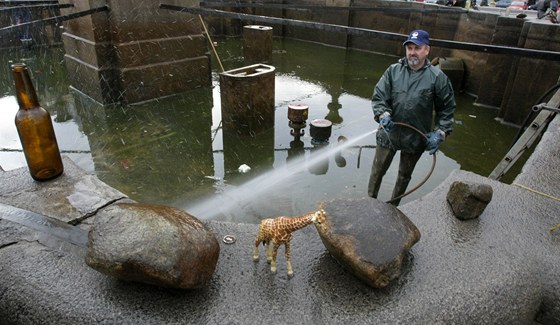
(500,268)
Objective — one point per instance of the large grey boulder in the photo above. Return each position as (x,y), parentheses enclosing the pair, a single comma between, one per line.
(152,244)
(468,200)
(369,238)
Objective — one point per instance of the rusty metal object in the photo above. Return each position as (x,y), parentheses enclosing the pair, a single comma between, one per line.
(297,114)
(320,130)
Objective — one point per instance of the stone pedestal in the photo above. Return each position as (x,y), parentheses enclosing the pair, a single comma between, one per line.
(257,44)
(247,96)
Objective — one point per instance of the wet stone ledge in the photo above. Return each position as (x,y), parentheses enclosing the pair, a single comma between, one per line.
(499,268)
(71,198)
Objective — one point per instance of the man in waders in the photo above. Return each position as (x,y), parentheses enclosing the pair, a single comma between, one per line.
(415,93)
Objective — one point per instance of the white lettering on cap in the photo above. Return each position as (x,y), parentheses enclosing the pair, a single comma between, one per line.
(414,35)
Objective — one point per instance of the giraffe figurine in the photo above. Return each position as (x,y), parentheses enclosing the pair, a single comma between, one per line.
(279,231)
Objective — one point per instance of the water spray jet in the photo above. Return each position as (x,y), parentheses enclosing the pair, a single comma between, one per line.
(243,196)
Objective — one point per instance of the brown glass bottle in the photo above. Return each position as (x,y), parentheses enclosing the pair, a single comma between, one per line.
(35,129)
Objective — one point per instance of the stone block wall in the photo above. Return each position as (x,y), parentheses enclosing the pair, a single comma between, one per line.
(90,53)
(509,83)
(336,17)
(136,51)
(495,68)
(472,28)
(387,17)
(529,78)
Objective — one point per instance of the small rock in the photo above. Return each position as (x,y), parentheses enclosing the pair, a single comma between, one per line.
(152,244)
(468,200)
(369,238)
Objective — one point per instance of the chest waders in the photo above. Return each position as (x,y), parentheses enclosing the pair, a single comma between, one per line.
(382,162)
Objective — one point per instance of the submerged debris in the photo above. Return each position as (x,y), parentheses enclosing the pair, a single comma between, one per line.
(244,169)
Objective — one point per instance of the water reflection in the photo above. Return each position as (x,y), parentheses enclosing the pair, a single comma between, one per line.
(173,151)
(154,151)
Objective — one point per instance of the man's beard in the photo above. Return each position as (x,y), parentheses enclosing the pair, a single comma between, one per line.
(413,61)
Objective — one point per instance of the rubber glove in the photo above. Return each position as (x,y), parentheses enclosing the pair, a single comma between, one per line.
(386,122)
(435,138)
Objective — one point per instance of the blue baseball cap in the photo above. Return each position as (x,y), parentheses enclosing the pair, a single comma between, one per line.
(418,37)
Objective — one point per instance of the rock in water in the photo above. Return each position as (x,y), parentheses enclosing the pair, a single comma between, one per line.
(468,200)
(152,244)
(369,238)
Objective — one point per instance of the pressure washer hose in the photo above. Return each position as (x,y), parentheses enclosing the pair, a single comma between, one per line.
(429,173)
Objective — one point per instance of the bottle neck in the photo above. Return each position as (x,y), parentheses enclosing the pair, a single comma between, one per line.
(25,93)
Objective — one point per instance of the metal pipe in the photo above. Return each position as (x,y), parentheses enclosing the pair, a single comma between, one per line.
(54,20)
(485,48)
(541,106)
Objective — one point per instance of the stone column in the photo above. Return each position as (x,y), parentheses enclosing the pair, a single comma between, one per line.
(257,44)
(247,96)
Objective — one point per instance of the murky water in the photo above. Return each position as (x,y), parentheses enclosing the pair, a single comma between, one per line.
(171,151)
